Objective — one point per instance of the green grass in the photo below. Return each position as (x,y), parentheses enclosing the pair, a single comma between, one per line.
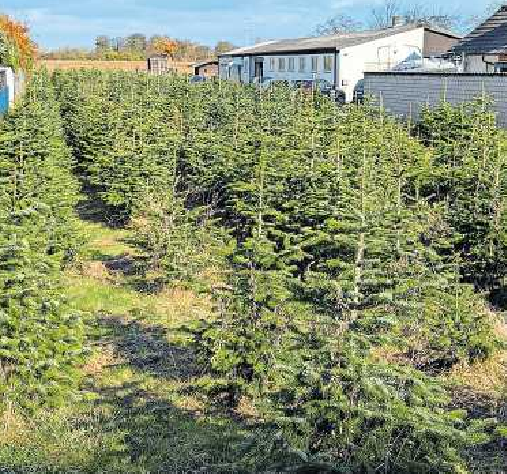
(101,240)
(126,428)
(136,411)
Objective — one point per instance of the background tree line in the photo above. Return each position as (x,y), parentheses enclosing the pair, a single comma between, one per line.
(138,47)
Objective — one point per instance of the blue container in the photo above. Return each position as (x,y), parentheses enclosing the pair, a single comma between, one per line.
(4,100)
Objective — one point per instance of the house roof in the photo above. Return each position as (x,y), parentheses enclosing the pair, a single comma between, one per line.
(490,37)
(331,42)
(205,63)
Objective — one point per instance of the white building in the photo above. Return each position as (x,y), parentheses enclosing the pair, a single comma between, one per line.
(484,50)
(340,59)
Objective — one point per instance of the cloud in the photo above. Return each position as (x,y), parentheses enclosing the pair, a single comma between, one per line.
(76,23)
(58,25)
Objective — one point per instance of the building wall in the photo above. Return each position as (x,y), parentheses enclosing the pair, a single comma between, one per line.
(475,64)
(229,64)
(404,94)
(228,68)
(297,73)
(209,70)
(436,44)
(381,54)
(347,66)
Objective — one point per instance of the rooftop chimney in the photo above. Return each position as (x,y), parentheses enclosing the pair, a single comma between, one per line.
(397,20)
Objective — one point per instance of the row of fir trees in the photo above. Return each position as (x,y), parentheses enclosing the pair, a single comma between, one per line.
(326,236)
(348,255)
(41,338)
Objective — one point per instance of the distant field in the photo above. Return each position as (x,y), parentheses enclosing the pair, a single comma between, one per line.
(52,64)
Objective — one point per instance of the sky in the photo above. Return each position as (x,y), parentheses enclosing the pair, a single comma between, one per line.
(59,23)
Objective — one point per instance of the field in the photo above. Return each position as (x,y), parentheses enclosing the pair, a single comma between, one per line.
(66,65)
(215,278)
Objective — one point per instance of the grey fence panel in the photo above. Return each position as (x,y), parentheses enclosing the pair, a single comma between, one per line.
(405,93)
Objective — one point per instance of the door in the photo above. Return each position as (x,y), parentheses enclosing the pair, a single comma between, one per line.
(259,71)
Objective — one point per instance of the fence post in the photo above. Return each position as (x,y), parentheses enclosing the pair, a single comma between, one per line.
(483,86)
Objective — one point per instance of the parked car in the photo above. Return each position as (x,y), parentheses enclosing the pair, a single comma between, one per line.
(269,81)
(339,96)
(314,84)
(324,87)
(197,79)
(359,93)
(265,82)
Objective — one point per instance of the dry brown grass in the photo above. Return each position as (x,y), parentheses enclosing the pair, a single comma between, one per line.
(190,404)
(52,64)
(12,425)
(96,270)
(487,377)
(101,360)
(500,326)
(180,304)
(386,354)
(246,409)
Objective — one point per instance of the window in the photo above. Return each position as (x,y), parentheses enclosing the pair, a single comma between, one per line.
(291,64)
(272,64)
(281,64)
(328,63)
(302,64)
(315,64)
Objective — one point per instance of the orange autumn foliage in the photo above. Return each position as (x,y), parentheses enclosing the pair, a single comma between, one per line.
(166,46)
(18,39)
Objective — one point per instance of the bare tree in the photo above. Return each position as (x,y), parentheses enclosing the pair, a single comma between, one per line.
(382,15)
(102,43)
(338,24)
(417,12)
(433,15)
(224,47)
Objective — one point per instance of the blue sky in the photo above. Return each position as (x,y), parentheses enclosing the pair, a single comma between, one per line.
(56,23)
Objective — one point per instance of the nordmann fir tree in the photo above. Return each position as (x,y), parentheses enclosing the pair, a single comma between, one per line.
(469,176)
(144,155)
(41,339)
(88,111)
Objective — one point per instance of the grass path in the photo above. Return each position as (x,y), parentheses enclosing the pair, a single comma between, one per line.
(135,412)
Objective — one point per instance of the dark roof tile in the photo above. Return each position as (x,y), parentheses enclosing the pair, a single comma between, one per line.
(490,37)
